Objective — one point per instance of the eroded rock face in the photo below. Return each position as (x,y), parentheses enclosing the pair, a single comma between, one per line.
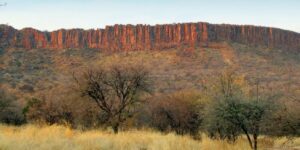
(145,37)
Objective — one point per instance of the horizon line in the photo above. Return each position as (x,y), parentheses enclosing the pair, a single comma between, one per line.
(146,24)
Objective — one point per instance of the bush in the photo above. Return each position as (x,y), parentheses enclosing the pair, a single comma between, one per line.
(10,111)
(285,121)
(47,111)
(63,105)
(177,112)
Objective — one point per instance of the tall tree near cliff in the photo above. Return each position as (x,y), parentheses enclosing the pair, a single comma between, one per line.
(115,91)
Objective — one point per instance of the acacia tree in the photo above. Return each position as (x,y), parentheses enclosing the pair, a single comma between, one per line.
(234,112)
(115,91)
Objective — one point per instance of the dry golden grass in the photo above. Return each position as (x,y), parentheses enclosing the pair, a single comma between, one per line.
(32,137)
(58,137)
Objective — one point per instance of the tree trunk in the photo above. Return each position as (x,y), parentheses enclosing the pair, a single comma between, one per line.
(116,128)
(248,137)
(255,135)
(255,141)
(249,140)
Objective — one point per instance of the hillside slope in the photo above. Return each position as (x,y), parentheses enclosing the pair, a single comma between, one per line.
(27,73)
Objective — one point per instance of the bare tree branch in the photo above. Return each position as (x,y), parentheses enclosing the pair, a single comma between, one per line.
(115,90)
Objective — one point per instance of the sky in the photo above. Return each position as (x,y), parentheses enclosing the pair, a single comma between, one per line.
(55,14)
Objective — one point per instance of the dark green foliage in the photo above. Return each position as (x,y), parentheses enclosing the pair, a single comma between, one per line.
(233,112)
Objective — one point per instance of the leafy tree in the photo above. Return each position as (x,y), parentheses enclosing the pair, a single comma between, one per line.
(233,112)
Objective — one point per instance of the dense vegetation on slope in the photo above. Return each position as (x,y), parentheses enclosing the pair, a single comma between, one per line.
(29,72)
(183,94)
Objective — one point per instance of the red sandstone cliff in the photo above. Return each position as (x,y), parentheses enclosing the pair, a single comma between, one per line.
(140,37)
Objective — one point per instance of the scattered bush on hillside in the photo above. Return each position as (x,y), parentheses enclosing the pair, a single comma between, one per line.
(10,111)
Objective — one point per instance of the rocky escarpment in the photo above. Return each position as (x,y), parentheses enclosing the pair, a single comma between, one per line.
(140,37)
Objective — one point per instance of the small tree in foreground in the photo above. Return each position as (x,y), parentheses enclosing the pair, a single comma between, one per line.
(115,91)
(234,112)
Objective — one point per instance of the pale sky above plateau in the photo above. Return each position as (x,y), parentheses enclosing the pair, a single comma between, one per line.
(55,14)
